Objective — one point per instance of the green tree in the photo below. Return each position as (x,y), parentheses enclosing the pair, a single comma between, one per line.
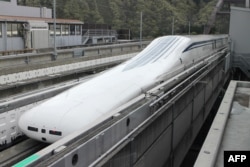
(93,15)
(115,14)
(125,14)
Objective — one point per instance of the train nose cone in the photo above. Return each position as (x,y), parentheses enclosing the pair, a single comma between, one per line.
(32,126)
(23,121)
(26,124)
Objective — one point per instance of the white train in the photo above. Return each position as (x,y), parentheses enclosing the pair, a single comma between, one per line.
(87,104)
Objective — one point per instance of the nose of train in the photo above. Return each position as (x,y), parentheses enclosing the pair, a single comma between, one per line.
(27,126)
(34,129)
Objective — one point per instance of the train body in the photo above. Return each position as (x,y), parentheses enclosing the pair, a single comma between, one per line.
(88,104)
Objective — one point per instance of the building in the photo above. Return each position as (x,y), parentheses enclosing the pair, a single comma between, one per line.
(24,27)
(10,8)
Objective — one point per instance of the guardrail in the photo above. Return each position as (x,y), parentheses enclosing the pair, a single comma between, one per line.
(99,32)
(11,52)
(28,59)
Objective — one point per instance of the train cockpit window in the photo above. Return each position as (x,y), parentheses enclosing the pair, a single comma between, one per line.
(157,50)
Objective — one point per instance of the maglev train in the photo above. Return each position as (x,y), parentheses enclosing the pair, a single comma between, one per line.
(87,104)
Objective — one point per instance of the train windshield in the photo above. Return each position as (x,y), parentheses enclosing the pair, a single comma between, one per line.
(160,48)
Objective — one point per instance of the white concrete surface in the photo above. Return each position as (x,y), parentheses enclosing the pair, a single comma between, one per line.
(22,76)
(230,130)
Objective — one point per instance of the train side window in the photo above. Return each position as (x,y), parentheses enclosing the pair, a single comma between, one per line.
(43,131)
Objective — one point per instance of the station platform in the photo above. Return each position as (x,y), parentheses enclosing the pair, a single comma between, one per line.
(230,128)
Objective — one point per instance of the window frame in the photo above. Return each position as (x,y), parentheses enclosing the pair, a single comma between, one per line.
(14,27)
(58,29)
(9,30)
(65,29)
(78,31)
(51,29)
(72,29)
(14,30)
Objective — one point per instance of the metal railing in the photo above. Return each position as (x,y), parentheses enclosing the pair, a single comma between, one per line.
(99,32)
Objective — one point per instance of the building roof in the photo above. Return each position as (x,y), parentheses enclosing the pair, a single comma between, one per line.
(48,20)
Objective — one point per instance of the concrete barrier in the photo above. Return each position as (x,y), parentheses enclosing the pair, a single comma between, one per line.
(26,75)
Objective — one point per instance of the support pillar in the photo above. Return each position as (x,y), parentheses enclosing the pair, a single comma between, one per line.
(247,3)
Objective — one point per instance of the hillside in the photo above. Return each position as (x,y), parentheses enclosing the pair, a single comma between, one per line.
(158,15)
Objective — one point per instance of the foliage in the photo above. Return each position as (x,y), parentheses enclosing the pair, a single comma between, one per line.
(158,15)
(205,11)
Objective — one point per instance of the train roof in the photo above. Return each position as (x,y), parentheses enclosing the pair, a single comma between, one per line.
(159,48)
(48,20)
(162,47)
(196,38)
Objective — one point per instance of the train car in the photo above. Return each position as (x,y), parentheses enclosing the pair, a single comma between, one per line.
(86,105)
